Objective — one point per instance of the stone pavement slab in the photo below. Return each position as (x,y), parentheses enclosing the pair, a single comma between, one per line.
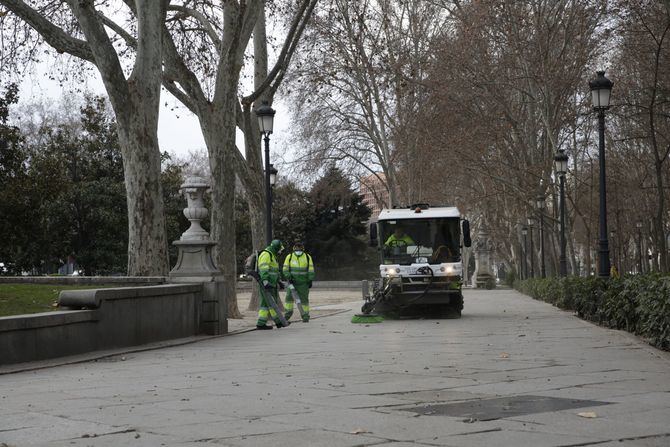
(334,383)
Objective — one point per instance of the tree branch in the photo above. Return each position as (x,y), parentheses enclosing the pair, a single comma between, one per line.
(207,26)
(178,93)
(293,37)
(176,69)
(61,41)
(125,35)
(104,53)
(149,59)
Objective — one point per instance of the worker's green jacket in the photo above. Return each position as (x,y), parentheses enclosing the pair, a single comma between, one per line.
(300,269)
(401,241)
(268,267)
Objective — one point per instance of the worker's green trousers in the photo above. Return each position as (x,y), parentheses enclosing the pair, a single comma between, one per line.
(264,310)
(303,292)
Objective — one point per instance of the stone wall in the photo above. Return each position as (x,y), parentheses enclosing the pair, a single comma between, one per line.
(121,281)
(99,319)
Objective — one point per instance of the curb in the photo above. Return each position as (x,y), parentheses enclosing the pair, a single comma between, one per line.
(99,355)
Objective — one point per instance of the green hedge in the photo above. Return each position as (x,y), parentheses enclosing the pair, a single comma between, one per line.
(639,304)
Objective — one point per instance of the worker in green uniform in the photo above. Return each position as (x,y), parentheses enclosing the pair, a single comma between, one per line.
(399,238)
(268,270)
(298,270)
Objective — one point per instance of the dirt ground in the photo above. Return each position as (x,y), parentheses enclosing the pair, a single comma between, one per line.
(317,298)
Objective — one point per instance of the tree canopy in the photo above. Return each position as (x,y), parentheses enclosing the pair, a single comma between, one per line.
(67,196)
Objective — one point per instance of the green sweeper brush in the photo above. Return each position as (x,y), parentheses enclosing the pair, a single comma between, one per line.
(367,318)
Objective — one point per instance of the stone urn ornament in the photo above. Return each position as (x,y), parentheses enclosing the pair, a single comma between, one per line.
(195,263)
(195,246)
(194,189)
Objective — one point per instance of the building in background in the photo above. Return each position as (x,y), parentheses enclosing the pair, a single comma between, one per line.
(374,192)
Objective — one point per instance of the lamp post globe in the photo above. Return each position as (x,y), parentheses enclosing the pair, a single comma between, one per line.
(601,89)
(265,115)
(561,162)
(561,165)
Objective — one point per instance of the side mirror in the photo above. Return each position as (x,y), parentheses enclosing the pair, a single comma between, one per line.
(467,241)
(373,235)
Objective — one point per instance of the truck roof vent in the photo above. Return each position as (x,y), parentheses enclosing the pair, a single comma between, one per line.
(423,206)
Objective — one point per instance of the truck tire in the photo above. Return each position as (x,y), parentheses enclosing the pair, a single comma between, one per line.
(457,303)
(454,308)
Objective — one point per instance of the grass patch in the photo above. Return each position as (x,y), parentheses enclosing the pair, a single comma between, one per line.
(17,299)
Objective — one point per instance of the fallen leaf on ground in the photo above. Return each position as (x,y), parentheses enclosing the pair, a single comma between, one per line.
(358,431)
(504,355)
(587,414)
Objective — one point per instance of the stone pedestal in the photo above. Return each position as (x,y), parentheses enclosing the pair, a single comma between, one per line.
(484,277)
(195,263)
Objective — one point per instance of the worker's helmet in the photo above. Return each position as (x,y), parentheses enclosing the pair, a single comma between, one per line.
(276,246)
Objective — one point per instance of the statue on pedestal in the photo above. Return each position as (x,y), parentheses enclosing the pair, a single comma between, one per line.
(484,277)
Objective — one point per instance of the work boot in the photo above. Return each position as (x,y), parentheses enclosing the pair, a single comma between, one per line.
(305,319)
(279,324)
(288,315)
(263,327)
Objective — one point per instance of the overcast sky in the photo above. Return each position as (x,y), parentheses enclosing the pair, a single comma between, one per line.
(178,129)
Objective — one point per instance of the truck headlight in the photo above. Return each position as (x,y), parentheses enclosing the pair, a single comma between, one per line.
(451,270)
(390,271)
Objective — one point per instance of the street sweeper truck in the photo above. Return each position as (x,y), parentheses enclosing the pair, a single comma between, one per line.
(421,269)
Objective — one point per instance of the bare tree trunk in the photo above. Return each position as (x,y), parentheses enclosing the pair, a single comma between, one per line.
(257,222)
(223,213)
(572,252)
(659,218)
(255,180)
(147,238)
(136,106)
(218,128)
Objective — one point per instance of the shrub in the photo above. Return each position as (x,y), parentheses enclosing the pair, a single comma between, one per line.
(639,304)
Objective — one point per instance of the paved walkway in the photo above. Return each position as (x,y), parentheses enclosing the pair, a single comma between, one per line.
(322,302)
(511,372)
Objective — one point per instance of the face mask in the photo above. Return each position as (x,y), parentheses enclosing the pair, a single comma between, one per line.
(298,252)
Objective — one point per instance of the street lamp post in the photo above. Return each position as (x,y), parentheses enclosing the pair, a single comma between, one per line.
(273,181)
(561,164)
(265,115)
(540,202)
(524,266)
(638,224)
(531,222)
(601,88)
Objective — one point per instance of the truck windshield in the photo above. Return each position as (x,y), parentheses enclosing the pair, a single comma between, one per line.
(407,241)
